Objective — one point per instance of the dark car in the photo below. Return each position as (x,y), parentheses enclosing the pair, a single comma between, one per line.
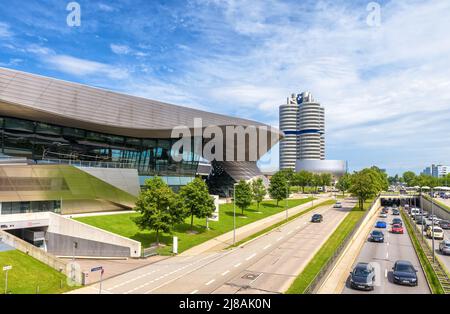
(404,273)
(317,218)
(362,277)
(421,221)
(444,224)
(397,221)
(376,236)
(395,212)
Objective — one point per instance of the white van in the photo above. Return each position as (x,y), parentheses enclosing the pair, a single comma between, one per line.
(414,211)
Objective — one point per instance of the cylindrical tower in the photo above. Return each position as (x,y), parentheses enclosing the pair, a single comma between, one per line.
(311,129)
(288,124)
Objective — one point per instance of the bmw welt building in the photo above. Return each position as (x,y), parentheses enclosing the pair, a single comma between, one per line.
(70,148)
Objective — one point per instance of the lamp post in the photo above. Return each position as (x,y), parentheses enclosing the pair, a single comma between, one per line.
(234,213)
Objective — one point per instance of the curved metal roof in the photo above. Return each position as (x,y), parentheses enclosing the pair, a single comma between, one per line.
(35,97)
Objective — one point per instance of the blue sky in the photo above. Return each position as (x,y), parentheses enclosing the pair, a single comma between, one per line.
(386,89)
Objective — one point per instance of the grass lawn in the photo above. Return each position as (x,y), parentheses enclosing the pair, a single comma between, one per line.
(28,273)
(327,250)
(123,225)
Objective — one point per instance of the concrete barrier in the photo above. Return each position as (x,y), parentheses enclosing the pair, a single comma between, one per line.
(335,281)
(438,208)
(34,252)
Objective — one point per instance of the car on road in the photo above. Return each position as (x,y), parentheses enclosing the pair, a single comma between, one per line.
(414,212)
(421,220)
(380,224)
(362,277)
(404,273)
(444,247)
(444,224)
(397,229)
(435,232)
(376,236)
(338,205)
(317,218)
(385,210)
(397,221)
(383,215)
(395,212)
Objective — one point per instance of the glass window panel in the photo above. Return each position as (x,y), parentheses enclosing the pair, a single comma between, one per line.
(43,128)
(19,125)
(71,132)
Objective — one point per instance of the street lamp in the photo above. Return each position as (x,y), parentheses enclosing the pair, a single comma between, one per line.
(432,225)
(234,213)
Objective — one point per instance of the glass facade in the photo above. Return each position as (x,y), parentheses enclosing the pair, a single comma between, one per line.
(7,208)
(46,142)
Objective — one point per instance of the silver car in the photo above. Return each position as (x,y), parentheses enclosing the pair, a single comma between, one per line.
(444,247)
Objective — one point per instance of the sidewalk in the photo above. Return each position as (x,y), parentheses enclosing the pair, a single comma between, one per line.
(225,240)
(335,281)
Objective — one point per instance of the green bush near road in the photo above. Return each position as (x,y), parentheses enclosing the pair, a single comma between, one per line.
(123,225)
(433,280)
(28,273)
(327,250)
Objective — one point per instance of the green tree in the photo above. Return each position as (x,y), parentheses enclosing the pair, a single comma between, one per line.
(279,188)
(259,191)
(316,181)
(303,179)
(196,200)
(289,174)
(409,177)
(243,195)
(368,183)
(325,180)
(344,183)
(158,206)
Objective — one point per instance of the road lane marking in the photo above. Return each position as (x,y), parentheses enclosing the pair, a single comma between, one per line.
(194,292)
(250,257)
(210,282)
(267,246)
(280,238)
(385,273)
(387,255)
(226,272)
(238,264)
(290,232)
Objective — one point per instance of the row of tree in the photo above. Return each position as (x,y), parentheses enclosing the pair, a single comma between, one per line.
(411,179)
(161,208)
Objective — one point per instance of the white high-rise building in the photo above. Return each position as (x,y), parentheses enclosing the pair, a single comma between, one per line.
(303,122)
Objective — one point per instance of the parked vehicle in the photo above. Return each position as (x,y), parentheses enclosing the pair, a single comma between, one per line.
(404,273)
(444,247)
(397,229)
(380,224)
(444,224)
(317,218)
(435,232)
(362,277)
(376,236)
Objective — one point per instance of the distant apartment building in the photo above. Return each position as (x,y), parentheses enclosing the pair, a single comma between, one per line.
(437,171)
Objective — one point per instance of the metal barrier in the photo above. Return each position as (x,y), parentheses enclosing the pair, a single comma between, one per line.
(317,281)
(151,251)
(88,164)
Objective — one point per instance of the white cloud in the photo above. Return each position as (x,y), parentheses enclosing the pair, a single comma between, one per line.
(106,8)
(5,31)
(120,49)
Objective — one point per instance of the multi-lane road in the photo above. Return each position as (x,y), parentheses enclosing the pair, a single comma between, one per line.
(383,256)
(268,264)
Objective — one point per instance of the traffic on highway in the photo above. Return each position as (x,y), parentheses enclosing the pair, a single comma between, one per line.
(387,262)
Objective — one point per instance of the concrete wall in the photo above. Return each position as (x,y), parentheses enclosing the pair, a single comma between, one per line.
(63,245)
(68,227)
(124,179)
(35,252)
(438,209)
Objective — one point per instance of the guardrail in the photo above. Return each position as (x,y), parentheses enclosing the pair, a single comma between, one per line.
(317,281)
(438,269)
(87,164)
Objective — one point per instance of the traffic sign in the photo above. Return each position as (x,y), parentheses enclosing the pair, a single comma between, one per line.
(98,268)
(5,268)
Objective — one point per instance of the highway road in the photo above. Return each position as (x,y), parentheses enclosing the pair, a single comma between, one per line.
(267,264)
(383,256)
